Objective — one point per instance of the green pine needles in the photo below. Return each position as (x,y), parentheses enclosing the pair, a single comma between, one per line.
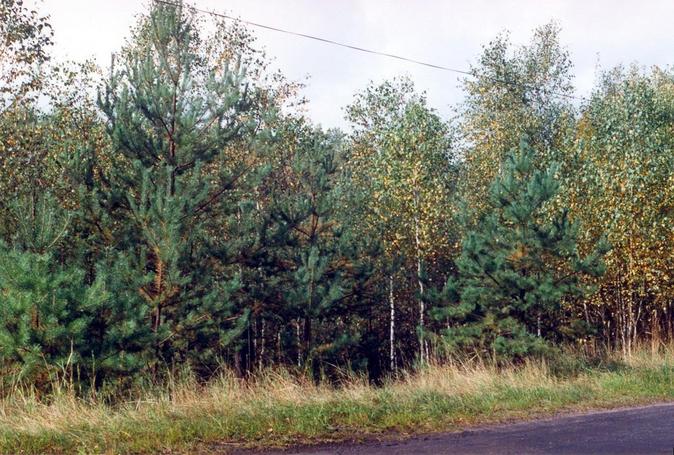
(172,110)
(191,217)
(517,267)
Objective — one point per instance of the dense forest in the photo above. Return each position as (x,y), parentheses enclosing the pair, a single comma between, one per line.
(178,210)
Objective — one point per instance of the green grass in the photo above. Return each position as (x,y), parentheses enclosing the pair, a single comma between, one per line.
(277,409)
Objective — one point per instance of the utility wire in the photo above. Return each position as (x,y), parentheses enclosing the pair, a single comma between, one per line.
(355,48)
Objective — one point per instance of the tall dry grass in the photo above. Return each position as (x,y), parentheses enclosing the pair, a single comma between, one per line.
(277,408)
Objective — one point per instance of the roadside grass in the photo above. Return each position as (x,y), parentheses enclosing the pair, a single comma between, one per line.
(276,408)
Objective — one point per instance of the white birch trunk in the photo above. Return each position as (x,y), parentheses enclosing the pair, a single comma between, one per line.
(299,343)
(392,307)
(262,345)
(423,351)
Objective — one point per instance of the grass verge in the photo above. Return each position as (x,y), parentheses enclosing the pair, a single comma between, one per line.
(276,409)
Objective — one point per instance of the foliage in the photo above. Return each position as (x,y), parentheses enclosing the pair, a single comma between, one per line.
(171,113)
(517,267)
(191,215)
(620,182)
(327,268)
(25,37)
(402,156)
(47,308)
(525,92)
(401,173)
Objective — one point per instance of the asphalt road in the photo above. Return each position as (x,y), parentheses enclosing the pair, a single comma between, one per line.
(644,430)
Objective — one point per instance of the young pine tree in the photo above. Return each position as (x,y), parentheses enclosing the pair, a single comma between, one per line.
(327,271)
(47,306)
(174,105)
(516,267)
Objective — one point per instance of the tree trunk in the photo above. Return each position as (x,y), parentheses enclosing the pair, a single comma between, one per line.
(422,312)
(392,354)
(655,332)
(306,338)
(251,340)
(423,349)
(237,363)
(299,343)
(670,323)
(262,344)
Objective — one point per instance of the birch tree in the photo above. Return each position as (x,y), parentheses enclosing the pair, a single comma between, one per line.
(514,92)
(621,179)
(402,154)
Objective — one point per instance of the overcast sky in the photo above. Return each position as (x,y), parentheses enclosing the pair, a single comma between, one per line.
(450,33)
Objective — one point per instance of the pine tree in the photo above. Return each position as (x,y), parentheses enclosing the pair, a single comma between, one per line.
(327,273)
(47,306)
(173,109)
(516,267)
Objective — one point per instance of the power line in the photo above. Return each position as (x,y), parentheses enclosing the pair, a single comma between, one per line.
(352,47)
(318,38)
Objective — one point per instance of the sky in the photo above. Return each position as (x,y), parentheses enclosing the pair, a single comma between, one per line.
(597,33)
